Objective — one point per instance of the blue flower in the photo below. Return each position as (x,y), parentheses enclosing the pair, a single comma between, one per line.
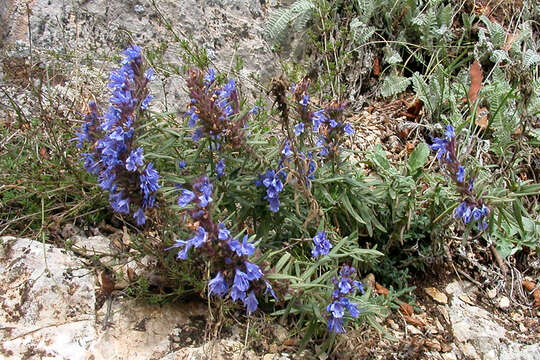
(449,133)
(236,294)
(273,187)
(150,74)
(223,232)
(185,197)
(139,217)
(336,309)
(254,110)
(210,77)
(251,303)
(197,134)
(199,238)
(133,53)
(146,102)
(287,149)
(119,203)
(305,101)
(182,164)
(220,168)
(204,186)
(253,271)
(182,253)
(335,325)
(299,129)
(241,249)
(217,285)
(134,159)
(348,129)
(149,180)
(441,146)
(461,173)
(241,281)
(322,245)
(345,286)
(318,118)
(270,290)
(471,184)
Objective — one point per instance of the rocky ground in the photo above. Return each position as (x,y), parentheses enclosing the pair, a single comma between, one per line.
(54,302)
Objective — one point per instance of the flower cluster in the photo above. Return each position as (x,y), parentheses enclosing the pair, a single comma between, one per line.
(327,123)
(214,110)
(237,276)
(271,180)
(343,286)
(114,157)
(322,245)
(471,208)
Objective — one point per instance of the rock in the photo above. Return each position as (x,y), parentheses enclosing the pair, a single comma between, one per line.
(48,309)
(449,356)
(437,295)
(503,302)
(47,301)
(280,333)
(215,350)
(477,334)
(140,330)
(491,293)
(413,330)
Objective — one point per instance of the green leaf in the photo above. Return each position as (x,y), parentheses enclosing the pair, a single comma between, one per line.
(419,156)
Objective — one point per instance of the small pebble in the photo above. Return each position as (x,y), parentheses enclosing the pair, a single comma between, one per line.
(503,302)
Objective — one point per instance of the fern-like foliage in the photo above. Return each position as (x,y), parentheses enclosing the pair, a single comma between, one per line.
(394,84)
(297,15)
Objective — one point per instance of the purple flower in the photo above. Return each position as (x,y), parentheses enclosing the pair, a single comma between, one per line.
(348,129)
(217,285)
(461,173)
(318,118)
(139,217)
(199,238)
(253,271)
(185,197)
(210,77)
(236,294)
(146,102)
(223,232)
(133,53)
(449,133)
(241,281)
(182,164)
(134,159)
(205,187)
(299,129)
(270,290)
(220,168)
(150,74)
(322,245)
(336,309)
(287,149)
(251,303)
(149,180)
(197,134)
(119,203)
(305,101)
(182,254)
(335,325)
(241,249)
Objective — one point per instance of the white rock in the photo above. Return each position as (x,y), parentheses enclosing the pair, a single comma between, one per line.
(47,301)
(503,302)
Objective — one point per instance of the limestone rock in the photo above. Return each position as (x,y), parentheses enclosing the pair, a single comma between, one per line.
(47,301)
